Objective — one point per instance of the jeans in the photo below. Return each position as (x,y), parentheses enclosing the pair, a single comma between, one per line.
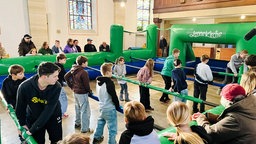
(63,101)
(83,111)
(183,92)
(109,117)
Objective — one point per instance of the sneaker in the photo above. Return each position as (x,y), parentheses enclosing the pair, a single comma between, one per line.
(149,109)
(89,131)
(121,99)
(77,126)
(98,141)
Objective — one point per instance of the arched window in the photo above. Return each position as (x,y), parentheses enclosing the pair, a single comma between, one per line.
(82,15)
(143,14)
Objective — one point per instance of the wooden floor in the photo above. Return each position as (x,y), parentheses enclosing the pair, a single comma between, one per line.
(9,133)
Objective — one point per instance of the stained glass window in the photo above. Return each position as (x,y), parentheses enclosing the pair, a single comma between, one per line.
(80,14)
(143,13)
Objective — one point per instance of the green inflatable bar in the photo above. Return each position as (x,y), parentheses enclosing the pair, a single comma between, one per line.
(30,63)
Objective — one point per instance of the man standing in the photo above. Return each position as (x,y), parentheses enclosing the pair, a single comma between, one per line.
(163,45)
(38,107)
(89,47)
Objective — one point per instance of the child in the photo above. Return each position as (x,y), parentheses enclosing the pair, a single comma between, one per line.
(179,80)
(61,60)
(203,75)
(75,138)
(120,70)
(145,75)
(140,127)
(179,116)
(11,84)
(167,73)
(109,103)
(78,80)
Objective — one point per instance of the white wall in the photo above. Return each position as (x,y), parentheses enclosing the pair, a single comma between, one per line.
(13,24)
(57,12)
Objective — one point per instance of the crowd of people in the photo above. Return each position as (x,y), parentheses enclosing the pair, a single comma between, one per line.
(27,47)
(42,108)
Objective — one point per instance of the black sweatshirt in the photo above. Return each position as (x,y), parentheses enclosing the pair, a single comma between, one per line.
(36,105)
(9,89)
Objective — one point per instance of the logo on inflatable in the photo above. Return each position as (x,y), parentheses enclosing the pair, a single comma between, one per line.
(210,34)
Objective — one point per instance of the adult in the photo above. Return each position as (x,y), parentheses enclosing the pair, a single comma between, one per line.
(45,50)
(167,73)
(38,107)
(236,124)
(75,42)
(57,48)
(163,45)
(25,45)
(104,47)
(69,48)
(89,47)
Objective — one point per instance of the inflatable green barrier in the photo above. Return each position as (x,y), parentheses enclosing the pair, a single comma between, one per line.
(30,63)
(217,110)
(183,35)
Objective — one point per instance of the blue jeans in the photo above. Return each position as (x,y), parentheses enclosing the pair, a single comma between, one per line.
(110,117)
(63,101)
(183,92)
(83,111)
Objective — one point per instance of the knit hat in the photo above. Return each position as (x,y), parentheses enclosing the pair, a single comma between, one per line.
(89,39)
(230,91)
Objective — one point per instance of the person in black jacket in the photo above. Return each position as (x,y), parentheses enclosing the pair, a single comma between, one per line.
(163,45)
(61,60)
(140,127)
(38,107)
(25,45)
(104,47)
(11,84)
(89,47)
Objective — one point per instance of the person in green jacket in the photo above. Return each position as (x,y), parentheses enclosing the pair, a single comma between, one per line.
(167,73)
(45,50)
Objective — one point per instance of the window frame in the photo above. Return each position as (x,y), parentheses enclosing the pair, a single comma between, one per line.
(141,21)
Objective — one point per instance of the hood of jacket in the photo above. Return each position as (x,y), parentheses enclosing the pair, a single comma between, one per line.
(101,80)
(141,128)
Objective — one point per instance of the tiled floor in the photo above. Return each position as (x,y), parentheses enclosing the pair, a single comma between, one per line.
(9,133)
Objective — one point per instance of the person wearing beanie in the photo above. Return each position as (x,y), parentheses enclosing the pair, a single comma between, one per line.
(237,123)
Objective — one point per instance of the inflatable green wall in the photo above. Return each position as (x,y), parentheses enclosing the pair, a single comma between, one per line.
(231,33)
(30,63)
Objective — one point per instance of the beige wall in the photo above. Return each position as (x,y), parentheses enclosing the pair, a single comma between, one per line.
(13,24)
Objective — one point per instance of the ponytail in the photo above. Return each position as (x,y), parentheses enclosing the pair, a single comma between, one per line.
(187,137)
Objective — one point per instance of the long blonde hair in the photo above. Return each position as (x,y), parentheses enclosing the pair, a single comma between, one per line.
(178,114)
(150,65)
(248,81)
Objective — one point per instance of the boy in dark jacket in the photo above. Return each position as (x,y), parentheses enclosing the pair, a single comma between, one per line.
(78,80)
(11,84)
(108,105)
(179,80)
(38,108)
(61,60)
(140,127)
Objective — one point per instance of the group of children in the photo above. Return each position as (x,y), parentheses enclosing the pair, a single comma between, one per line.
(139,125)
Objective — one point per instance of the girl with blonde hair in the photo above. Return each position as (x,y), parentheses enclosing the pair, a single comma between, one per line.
(179,116)
(248,82)
(145,75)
